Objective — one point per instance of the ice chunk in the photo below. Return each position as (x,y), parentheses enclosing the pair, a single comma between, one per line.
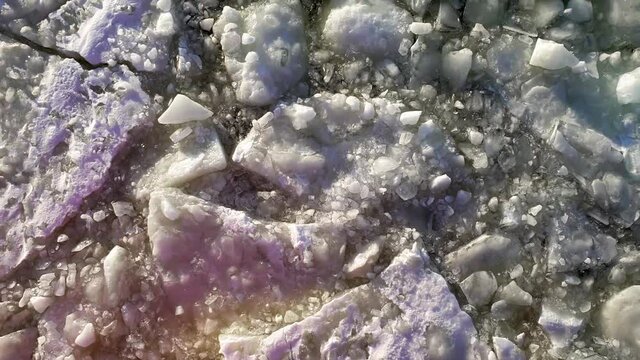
(487,252)
(513,294)
(440,183)
(18,345)
(427,322)
(620,316)
(506,350)
(485,12)
(182,109)
(374,28)
(41,303)
(479,287)
(202,250)
(121,208)
(410,117)
(547,10)
(456,66)
(362,263)
(559,323)
(580,10)
(447,16)
(550,55)
(86,337)
(628,88)
(201,156)
(420,28)
(117,275)
(275,59)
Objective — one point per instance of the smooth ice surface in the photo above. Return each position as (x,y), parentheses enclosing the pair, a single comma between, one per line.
(182,109)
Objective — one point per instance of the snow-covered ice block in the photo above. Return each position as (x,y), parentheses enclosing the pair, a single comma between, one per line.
(182,109)
(628,88)
(275,60)
(551,55)
(428,322)
(78,130)
(374,28)
(620,316)
(203,249)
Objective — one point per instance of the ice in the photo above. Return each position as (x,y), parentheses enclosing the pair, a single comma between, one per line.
(182,109)
(189,160)
(363,262)
(484,12)
(117,266)
(620,316)
(86,337)
(456,66)
(427,321)
(506,350)
(551,55)
(419,28)
(628,88)
(374,28)
(203,249)
(265,69)
(546,11)
(18,345)
(447,17)
(513,294)
(560,324)
(479,287)
(41,303)
(440,183)
(410,117)
(487,252)
(580,10)
(77,161)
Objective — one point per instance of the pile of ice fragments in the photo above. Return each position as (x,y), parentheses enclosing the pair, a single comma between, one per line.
(306,179)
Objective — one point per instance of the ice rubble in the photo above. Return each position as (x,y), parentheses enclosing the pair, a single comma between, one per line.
(83,120)
(405,313)
(275,58)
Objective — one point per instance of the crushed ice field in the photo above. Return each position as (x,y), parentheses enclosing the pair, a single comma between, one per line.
(319,179)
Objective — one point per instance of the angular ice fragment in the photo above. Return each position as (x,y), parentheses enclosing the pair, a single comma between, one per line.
(410,117)
(628,88)
(420,28)
(506,350)
(384,164)
(86,337)
(560,324)
(364,260)
(117,276)
(440,183)
(479,287)
(456,66)
(513,294)
(182,109)
(487,252)
(550,55)
(41,303)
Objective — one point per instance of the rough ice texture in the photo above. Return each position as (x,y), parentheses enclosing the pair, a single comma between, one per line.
(344,148)
(487,252)
(407,312)
(18,345)
(82,123)
(277,58)
(101,31)
(202,248)
(374,28)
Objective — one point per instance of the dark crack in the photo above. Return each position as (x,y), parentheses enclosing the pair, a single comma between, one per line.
(63,53)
